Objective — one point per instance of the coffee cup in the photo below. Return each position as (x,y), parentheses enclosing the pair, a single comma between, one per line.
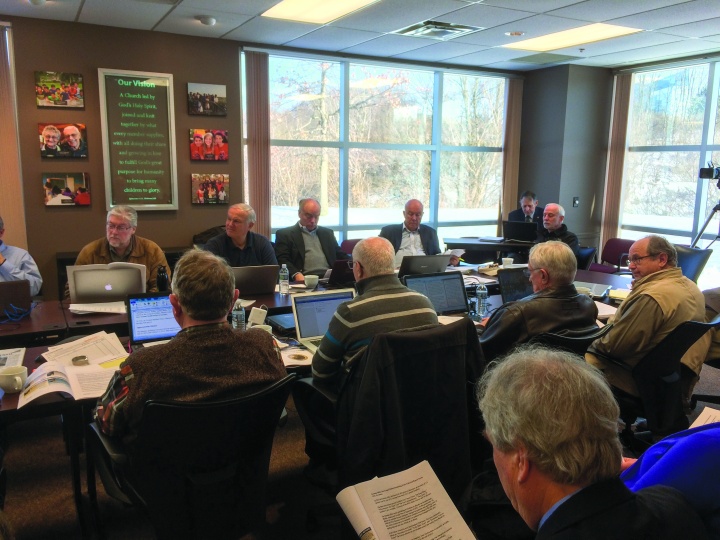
(311,281)
(507,262)
(265,327)
(12,378)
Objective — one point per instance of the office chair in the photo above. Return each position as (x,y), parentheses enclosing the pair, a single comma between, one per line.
(347,245)
(712,308)
(576,341)
(615,254)
(197,469)
(692,260)
(585,257)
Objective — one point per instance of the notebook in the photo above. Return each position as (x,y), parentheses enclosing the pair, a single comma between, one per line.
(250,280)
(341,274)
(313,311)
(14,297)
(423,264)
(597,290)
(514,284)
(446,291)
(519,231)
(112,282)
(150,318)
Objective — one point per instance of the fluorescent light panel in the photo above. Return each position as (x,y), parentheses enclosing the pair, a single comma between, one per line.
(570,38)
(315,11)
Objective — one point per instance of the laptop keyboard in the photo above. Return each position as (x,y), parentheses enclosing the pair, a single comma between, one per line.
(315,341)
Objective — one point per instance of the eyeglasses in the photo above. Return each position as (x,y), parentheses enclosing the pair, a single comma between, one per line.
(527,272)
(636,259)
(118,228)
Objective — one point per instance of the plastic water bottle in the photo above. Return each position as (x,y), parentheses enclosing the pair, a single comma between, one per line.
(162,279)
(284,280)
(238,316)
(482,295)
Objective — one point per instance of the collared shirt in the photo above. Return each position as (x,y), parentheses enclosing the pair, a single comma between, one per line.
(553,508)
(116,257)
(20,265)
(411,244)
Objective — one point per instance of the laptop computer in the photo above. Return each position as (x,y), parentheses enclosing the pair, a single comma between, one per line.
(341,274)
(251,280)
(93,283)
(423,264)
(514,284)
(597,290)
(14,298)
(150,318)
(519,231)
(446,291)
(313,311)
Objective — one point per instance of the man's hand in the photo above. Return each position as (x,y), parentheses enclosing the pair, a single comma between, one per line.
(454,260)
(2,259)
(298,277)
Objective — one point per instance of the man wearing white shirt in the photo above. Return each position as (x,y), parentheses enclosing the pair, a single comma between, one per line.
(17,264)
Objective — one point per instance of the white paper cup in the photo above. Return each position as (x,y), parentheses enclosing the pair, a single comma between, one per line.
(265,327)
(12,378)
(507,262)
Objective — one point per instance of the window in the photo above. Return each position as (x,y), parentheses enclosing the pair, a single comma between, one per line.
(363,139)
(673,131)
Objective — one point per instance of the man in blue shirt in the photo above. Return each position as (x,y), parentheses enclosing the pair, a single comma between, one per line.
(238,245)
(17,264)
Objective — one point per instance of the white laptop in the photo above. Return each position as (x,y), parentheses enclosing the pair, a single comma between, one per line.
(313,312)
(92,283)
(150,319)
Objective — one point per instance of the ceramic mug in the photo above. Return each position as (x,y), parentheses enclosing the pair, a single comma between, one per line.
(311,281)
(12,378)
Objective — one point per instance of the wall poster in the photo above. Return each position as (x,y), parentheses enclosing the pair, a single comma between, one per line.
(138,132)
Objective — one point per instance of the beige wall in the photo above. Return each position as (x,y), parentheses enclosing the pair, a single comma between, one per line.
(80,48)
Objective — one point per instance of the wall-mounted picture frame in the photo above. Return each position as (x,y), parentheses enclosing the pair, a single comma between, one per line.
(62,140)
(207,99)
(209,145)
(210,188)
(57,89)
(66,189)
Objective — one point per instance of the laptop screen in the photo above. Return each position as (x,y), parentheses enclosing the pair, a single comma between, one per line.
(520,231)
(313,311)
(446,291)
(150,318)
(514,284)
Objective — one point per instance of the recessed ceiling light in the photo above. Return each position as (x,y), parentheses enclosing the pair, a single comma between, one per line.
(571,38)
(207,20)
(315,11)
(514,34)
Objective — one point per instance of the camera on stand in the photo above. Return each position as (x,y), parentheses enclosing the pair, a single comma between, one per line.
(710,172)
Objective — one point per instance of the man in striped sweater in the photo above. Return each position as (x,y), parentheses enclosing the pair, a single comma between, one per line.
(382,305)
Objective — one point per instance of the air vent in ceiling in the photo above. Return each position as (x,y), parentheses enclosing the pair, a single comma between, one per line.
(437,30)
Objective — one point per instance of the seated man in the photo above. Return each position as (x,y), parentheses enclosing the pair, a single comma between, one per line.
(552,422)
(206,361)
(555,304)
(121,244)
(661,299)
(411,237)
(17,264)
(238,245)
(554,229)
(529,210)
(307,248)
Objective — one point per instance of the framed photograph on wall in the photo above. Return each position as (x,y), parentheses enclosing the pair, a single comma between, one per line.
(210,188)
(56,89)
(208,145)
(62,140)
(207,99)
(66,189)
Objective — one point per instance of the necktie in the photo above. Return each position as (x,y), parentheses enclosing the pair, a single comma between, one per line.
(528,219)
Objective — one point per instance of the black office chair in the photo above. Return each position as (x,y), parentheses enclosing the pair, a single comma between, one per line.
(197,469)
(712,309)
(576,341)
(585,257)
(692,260)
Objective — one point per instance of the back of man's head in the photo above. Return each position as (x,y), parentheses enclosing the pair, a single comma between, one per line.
(204,285)
(557,259)
(376,255)
(659,244)
(557,407)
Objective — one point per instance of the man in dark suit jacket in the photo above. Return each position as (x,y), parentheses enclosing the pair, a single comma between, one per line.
(552,422)
(528,209)
(305,247)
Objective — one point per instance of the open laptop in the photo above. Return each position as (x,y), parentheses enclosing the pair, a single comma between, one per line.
(93,283)
(251,280)
(423,264)
(514,284)
(150,319)
(341,274)
(597,290)
(446,291)
(313,311)
(519,231)
(14,297)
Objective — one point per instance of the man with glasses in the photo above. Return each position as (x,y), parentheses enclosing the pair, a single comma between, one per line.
(307,248)
(122,245)
(554,305)
(660,300)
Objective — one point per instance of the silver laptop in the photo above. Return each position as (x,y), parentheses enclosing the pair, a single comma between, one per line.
(423,264)
(445,290)
(313,312)
(150,319)
(597,290)
(251,280)
(93,283)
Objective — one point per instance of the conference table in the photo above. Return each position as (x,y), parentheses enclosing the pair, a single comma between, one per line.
(46,323)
